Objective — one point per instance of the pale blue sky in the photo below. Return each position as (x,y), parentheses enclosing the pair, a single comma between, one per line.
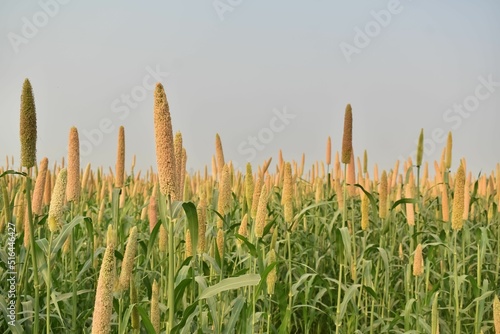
(231,72)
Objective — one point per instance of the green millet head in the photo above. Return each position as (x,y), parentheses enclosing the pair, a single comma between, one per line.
(420,148)
(28,131)
(347,137)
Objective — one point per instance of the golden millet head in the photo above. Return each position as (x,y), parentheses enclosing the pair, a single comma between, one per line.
(249,186)
(164,143)
(128,259)
(271,277)
(103,307)
(40,187)
(260,219)
(418,261)
(287,185)
(202,224)
(55,218)
(178,160)
(47,192)
(155,307)
(496,314)
(163,237)
(220,242)
(243,229)
(457,221)
(111,236)
(256,195)
(224,202)
(365,207)
(219,153)
(382,208)
(73,185)
(288,213)
(189,244)
(120,159)
(152,212)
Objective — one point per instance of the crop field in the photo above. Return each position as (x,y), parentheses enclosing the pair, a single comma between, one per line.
(332,246)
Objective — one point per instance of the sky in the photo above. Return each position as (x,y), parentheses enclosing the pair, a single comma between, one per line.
(264,75)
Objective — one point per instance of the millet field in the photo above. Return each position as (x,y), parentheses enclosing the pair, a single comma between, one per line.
(332,246)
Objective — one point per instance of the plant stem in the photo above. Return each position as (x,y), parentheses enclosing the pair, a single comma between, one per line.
(171,268)
(33,255)
(254,288)
(290,271)
(73,274)
(49,280)
(455,275)
(338,321)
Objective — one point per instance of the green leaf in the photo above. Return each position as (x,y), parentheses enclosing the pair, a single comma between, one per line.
(192,218)
(251,247)
(66,231)
(10,171)
(370,197)
(230,284)
(237,306)
(350,293)
(404,201)
(146,322)
(346,240)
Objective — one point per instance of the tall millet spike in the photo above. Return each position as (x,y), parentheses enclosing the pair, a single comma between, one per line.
(219,154)
(287,197)
(47,192)
(40,187)
(224,201)
(28,131)
(256,195)
(347,137)
(365,162)
(164,140)
(201,209)
(178,161)
(382,207)
(329,151)
(103,308)
(249,185)
(220,242)
(420,148)
(152,212)
(128,259)
(155,307)
(120,159)
(418,261)
(449,147)
(457,221)
(73,186)
(260,219)
(496,314)
(55,218)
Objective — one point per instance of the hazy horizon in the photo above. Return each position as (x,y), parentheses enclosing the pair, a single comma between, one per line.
(264,76)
